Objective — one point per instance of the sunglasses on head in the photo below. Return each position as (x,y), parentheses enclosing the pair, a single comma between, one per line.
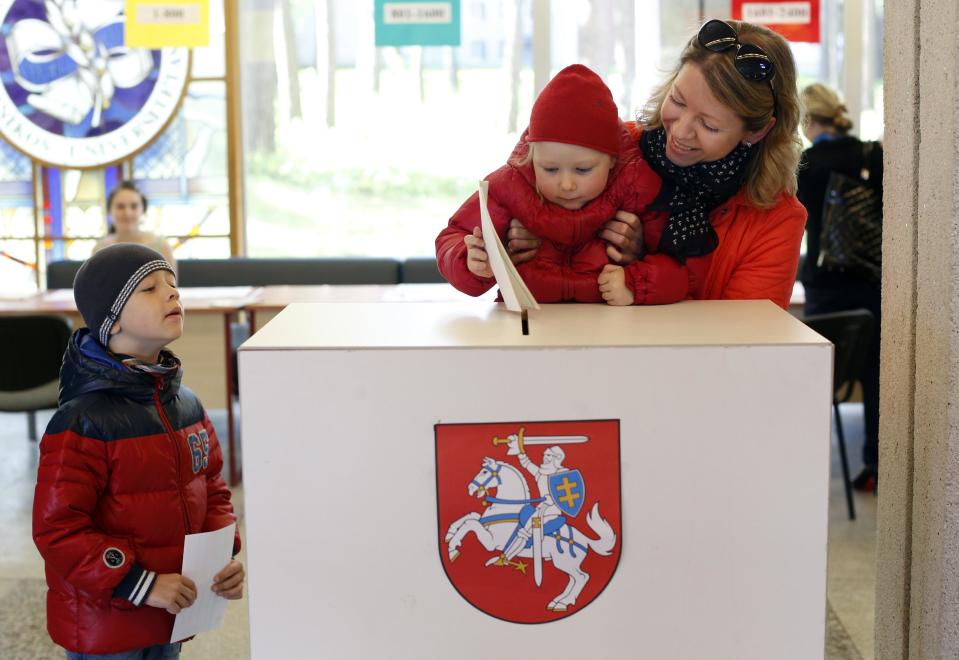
(751,61)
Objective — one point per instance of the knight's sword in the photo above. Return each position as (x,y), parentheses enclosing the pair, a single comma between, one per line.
(537,550)
(542,440)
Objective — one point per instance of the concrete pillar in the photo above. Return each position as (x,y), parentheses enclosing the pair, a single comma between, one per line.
(853,59)
(917,595)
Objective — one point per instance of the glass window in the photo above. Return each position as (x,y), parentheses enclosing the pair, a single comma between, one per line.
(18,267)
(391,141)
(14,167)
(409,133)
(18,254)
(16,220)
(184,176)
(210,61)
(73,214)
(183,173)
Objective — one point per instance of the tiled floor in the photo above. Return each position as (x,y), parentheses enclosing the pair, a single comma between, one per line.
(852,546)
(22,619)
(23,633)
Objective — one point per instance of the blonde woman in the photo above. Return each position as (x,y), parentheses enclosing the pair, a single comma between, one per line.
(826,123)
(722,134)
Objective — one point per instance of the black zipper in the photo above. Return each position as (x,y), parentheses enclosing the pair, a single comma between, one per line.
(158,381)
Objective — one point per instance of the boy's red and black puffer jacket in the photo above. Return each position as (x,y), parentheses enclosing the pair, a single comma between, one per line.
(129,465)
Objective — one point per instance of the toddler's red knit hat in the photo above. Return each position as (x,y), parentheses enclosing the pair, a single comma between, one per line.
(576,107)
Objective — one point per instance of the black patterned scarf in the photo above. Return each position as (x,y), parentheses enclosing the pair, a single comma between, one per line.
(690,193)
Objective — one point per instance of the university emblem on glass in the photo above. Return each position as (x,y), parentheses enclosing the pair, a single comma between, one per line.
(510,496)
(73,95)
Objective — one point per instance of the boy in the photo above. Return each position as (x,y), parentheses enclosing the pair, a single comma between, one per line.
(129,465)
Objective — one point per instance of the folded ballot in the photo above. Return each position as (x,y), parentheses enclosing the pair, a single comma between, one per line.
(515,293)
(204,555)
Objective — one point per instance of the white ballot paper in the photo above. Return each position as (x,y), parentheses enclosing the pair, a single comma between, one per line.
(204,555)
(515,294)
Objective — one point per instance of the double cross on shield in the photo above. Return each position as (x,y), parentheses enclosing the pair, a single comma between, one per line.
(569,491)
(521,537)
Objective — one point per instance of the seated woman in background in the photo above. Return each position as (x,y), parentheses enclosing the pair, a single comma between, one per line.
(126,206)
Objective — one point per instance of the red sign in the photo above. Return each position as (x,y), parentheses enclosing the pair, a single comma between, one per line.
(796,20)
(529,514)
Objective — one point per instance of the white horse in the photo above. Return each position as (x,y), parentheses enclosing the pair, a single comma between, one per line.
(566,547)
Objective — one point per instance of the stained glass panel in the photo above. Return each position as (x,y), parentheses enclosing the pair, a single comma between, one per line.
(18,275)
(17,221)
(14,166)
(184,175)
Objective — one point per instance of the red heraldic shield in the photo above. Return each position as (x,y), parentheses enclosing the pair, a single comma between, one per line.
(529,515)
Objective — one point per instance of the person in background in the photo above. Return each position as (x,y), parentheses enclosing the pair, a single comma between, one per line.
(826,123)
(722,132)
(126,206)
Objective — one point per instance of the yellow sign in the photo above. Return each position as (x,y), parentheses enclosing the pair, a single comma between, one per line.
(163,23)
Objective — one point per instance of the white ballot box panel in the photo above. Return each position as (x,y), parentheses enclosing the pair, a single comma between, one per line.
(724,452)
(485,324)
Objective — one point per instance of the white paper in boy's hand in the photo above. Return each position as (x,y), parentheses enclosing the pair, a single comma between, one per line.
(204,555)
(515,294)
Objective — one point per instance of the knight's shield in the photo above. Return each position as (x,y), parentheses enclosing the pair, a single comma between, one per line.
(488,504)
(568,491)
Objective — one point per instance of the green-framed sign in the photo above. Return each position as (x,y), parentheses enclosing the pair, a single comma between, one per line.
(423,23)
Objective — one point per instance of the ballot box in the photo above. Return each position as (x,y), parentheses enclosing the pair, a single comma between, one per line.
(424,480)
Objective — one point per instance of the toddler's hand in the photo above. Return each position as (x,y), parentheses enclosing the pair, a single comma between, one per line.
(612,284)
(477,261)
(229,582)
(172,592)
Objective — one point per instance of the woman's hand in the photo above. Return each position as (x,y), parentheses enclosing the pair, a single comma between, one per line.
(624,236)
(612,284)
(477,261)
(520,243)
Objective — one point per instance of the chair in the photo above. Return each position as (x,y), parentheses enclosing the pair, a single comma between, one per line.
(420,270)
(256,271)
(246,271)
(850,332)
(60,274)
(31,351)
